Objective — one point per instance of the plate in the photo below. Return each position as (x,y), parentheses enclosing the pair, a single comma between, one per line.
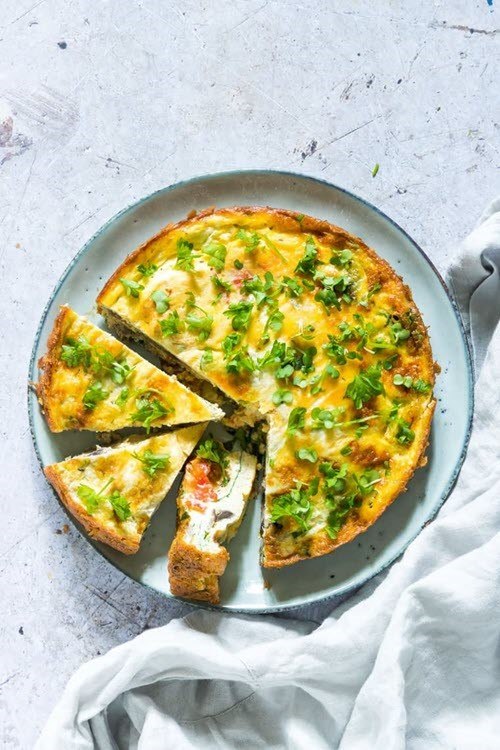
(245,586)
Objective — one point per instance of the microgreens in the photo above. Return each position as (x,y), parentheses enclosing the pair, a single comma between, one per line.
(365,385)
(185,255)
(212,450)
(120,505)
(149,409)
(147,269)
(132,288)
(152,462)
(94,394)
(161,300)
(296,420)
(240,314)
(309,262)
(216,254)
(92,498)
(172,324)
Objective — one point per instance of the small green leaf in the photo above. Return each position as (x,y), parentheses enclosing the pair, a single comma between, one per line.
(120,505)
(161,300)
(147,269)
(307,454)
(132,288)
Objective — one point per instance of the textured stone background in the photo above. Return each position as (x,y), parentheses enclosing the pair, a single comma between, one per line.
(104,102)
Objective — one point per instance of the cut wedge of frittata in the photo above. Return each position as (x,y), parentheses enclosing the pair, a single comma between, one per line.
(91,381)
(113,492)
(210,507)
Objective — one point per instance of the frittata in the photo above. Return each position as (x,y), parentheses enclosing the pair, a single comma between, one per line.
(306,327)
(113,492)
(210,507)
(91,381)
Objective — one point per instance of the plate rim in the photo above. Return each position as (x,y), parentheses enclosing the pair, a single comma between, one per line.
(347,588)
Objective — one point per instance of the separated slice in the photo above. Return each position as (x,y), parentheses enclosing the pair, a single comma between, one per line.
(113,492)
(210,507)
(91,381)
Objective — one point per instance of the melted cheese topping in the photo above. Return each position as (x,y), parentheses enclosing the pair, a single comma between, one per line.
(68,385)
(120,470)
(341,310)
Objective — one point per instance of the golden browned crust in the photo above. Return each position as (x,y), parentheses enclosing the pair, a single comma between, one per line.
(49,362)
(118,541)
(194,574)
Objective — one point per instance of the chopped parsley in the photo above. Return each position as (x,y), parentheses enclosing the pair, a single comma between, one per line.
(172,324)
(152,462)
(263,290)
(149,409)
(185,255)
(309,262)
(404,433)
(417,384)
(342,258)
(240,362)
(94,394)
(365,385)
(238,264)
(123,397)
(282,396)
(90,498)
(147,269)
(249,239)
(296,420)
(240,314)
(216,254)
(132,288)
(206,358)
(335,290)
(200,324)
(220,285)
(337,351)
(295,505)
(76,352)
(307,454)
(120,505)
(292,286)
(161,300)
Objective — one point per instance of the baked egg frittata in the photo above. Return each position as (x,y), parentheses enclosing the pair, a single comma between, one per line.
(210,507)
(92,381)
(307,328)
(114,491)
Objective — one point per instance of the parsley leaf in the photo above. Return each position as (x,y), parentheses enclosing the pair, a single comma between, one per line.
(404,433)
(240,362)
(200,324)
(132,288)
(152,462)
(172,324)
(149,409)
(161,300)
(292,286)
(342,258)
(296,420)
(123,397)
(120,505)
(240,314)
(365,385)
(220,285)
(309,262)
(295,505)
(282,396)
(263,291)
(249,239)
(147,269)
(216,254)
(206,358)
(76,352)
(334,291)
(185,255)
(94,394)
(307,454)
(90,498)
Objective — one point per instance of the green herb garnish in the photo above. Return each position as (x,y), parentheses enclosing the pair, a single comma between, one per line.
(149,409)
(94,394)
(161,300)
(152,462)
(240,314)
(90,498)
(307,454)
(296,420)
(147,269)
(365,386)
(309,262)
(212,450)
(120,505)
(216,254)
(172,324)
(185,255)
(132,288)
(76,352)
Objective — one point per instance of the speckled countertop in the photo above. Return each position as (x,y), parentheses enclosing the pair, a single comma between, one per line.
(102,103)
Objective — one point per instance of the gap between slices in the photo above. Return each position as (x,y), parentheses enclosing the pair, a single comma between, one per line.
(303,324)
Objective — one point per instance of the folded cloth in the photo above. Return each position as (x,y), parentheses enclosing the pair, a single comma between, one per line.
(410,661)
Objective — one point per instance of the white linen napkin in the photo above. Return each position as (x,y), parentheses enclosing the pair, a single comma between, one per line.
(411,661)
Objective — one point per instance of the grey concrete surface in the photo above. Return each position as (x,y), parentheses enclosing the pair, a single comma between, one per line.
(104,102)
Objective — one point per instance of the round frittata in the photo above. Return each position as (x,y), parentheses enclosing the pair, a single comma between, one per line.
(307,329)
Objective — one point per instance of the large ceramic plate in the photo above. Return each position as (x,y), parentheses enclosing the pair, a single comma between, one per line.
(243,586)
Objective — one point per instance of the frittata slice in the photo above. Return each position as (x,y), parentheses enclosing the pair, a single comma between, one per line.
(113,492)
(210,507)
(91,381)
